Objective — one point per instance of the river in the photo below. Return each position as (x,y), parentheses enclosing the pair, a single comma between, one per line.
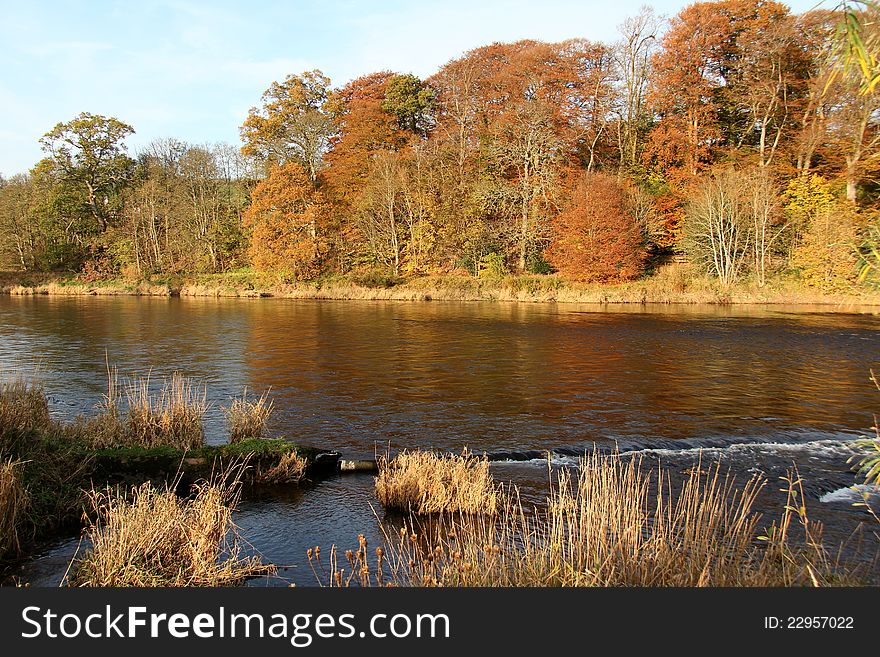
(758,387)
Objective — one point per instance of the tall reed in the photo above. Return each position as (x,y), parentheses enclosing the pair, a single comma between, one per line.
(133,415)
(13,506)
(151,537)
(248,418)
(291,467)
(426,482)
(610,523)
(23,409)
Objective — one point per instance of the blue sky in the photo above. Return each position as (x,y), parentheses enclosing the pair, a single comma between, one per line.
(192,69)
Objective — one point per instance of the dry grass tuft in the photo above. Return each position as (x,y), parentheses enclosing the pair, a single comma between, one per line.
(247,419)
(609,524)
(289,469)
(152,537)
(173,417)
(13,505)
(425,482)
(170,417)
(23,408)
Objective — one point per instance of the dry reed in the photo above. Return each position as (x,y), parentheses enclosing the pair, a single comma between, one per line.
(13,505)
(290,468)
(425,482)
(23,408)
(152,537)
(247,418)
(612,524)
(170,417)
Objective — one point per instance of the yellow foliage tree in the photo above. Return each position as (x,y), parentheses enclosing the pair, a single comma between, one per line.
(826,231)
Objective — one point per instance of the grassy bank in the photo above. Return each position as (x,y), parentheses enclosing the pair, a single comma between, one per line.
(52,474)
(671,284)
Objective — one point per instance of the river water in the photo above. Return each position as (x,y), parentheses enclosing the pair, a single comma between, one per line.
(759,388)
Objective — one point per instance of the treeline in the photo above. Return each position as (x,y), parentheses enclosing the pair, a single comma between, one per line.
(730,134)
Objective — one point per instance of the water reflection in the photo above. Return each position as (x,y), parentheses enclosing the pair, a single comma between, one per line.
(356,375)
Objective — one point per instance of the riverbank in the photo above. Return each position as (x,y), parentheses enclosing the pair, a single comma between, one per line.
(671,285)
(50,470)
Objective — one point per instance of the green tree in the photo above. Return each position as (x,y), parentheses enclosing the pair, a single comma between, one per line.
(411,101)
(89,155)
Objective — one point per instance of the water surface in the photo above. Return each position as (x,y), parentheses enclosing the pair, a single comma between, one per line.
(783,384)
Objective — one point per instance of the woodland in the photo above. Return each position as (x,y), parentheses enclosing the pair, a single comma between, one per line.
(732,136)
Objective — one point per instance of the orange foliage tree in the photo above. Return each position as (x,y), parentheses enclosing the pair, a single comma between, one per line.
(287,217)
(363,129)
(597,238)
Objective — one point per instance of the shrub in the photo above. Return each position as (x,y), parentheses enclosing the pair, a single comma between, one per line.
(492,265)
(376,278)
(596,238)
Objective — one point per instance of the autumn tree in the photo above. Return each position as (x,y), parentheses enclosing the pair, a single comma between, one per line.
(681,94)
(90,156)
(632,55)
(717,226)
(509,117)
(287,218)
(380,211)
(854,133)
(808,144)
(206,196)
(729,75)
(294,123)
(526,151)
(827,231)
(596,238)
(153,203)
(768,228)
(395,211)
(734,222)
(464,228)
(765,75)
(363,129)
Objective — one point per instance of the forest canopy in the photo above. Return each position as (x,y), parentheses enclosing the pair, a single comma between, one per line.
(732,135)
